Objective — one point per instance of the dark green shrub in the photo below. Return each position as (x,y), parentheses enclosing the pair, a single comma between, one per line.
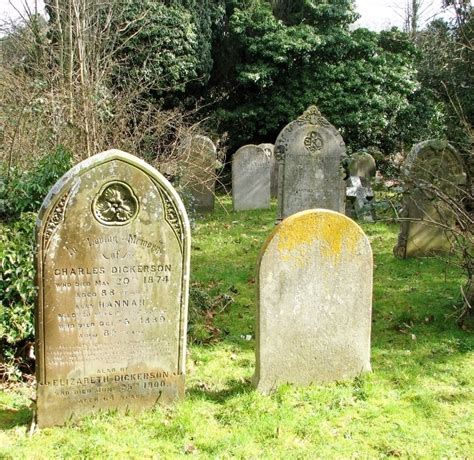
(17,286)
(23,191)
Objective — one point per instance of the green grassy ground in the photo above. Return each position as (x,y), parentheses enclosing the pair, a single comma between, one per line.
(417,402)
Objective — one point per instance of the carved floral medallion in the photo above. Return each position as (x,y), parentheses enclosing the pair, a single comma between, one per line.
(313,142)
(116,204)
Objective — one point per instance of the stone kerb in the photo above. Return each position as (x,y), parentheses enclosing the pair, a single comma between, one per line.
(251,178)
(432,163)
(314,301)
(310,153)
(113,252)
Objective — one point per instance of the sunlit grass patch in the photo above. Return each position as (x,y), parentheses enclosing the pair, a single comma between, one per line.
(417,402)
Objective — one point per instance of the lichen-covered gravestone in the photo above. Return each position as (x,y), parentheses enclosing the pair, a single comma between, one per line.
(251,178)
(310,152)
(315,301)
(431,165)
(198,177)
(112,272)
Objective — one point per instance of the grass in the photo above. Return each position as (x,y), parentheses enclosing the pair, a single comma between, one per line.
(418,401)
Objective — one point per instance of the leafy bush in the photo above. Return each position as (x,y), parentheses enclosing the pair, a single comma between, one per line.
(17,286)
(284,61)
(24,191)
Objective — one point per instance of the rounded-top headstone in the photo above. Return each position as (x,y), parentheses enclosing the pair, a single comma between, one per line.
(251,178)
(431,165)
(113,249)
(198,176)
(315,301)
(362,164)
(310,152)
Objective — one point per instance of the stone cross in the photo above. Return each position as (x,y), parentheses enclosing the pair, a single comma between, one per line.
(360,194)
(358,189)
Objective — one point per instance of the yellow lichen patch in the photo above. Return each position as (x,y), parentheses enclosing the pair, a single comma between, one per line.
(335,233)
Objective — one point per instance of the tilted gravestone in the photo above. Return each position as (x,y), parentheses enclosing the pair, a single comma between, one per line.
(315,301)
(359,190)
(113,247)
(250,178)
(198,176)
(432,168)
(310,152)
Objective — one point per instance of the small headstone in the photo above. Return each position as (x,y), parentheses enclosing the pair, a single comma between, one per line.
(310,152)
(362,164)
(251,178)
(198,177)
(359,190)
(113,247)
(315,301)
(430,165)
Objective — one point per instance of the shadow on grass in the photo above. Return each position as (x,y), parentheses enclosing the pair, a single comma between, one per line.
(234,388)
(10,418)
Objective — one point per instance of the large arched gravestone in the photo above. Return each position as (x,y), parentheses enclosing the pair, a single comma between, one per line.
(113,249)
(251,177)
(431,168)
(310,152)
(314,301)
(198,175)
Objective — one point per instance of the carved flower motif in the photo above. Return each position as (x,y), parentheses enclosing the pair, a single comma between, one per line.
(116,204)
(313,142)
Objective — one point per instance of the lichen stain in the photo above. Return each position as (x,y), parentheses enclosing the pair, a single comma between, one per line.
(335,233)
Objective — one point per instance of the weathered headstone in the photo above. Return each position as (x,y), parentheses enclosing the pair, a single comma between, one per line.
(315,301)
(310,152)
(198,175)
(113,246)
(362,164)
(431,165)
(269,149)
(359,190)
(250,178)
